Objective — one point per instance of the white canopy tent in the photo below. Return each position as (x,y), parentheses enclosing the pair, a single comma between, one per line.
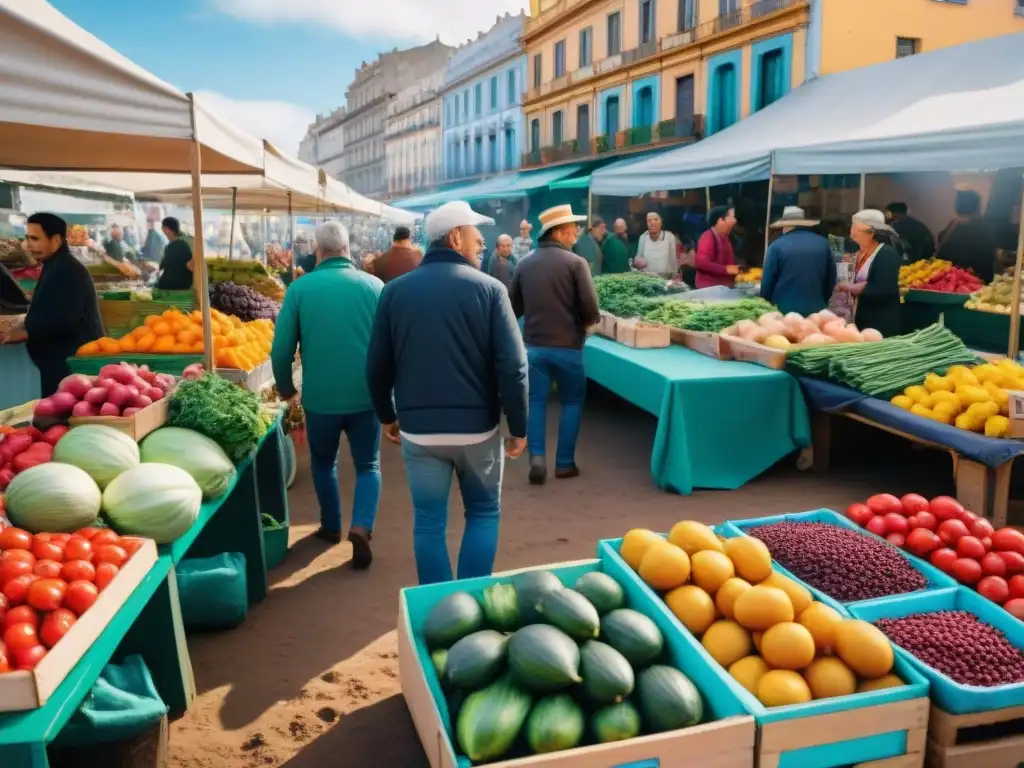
(832,109)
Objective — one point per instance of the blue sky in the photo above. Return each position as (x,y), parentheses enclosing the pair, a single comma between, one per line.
(271,65)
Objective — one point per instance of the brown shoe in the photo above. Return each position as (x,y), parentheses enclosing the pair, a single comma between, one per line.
(362,555)
(566,472)
(331,537)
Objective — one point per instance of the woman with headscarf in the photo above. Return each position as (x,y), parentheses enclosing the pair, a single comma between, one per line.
(875,289)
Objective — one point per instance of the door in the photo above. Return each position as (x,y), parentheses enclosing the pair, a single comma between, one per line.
(535,135)
(645,108)
(556,129)
(611,118)
(583,127)
(684,105)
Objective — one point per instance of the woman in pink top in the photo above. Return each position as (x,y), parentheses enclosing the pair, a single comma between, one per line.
(715,260)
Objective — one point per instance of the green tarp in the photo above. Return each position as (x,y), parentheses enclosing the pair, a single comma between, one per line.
(504,186)
(702,404)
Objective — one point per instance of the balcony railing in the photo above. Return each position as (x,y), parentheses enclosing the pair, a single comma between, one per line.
(678,130)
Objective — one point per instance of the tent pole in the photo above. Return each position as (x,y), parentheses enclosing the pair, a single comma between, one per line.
(707,200)
(590,207)
(231,237)
(291,237)
(768,213)
(863,189)
(1015,300)
(199,272)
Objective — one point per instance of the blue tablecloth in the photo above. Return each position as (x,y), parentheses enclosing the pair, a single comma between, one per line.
(832,398)
(720,424)
(19,377)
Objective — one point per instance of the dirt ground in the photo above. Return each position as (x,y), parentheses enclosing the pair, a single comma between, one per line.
(311,678)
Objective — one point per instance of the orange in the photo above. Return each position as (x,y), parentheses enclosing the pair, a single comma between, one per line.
(151,321)
(163,328)
(163,345)
(197,348)
(635,545)
(127,343)
(664,566)
(185,336)
(181,348)
(91,348)
(693,607)
(145,343)
(711,569)
(725,598)
(760,608)
(821,621)
(788,645)
(109,346)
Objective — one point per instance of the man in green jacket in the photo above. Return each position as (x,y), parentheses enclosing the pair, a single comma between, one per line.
(614,253)
(328,316)
(589,245)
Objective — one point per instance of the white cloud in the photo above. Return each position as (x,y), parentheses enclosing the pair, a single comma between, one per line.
(455,20)
(279,122)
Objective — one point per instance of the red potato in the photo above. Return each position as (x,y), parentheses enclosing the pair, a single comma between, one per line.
(63,402)
(914,503)
(951,531)
(895,522)
(141,401)
(966,571)
(76,385)
(110,409)
(945,508)
(154,393)
(96,395)
(994,588)
(876,525)
(84,409)
(883,503)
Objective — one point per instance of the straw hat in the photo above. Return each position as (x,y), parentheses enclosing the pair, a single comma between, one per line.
(560,214)
(794,216)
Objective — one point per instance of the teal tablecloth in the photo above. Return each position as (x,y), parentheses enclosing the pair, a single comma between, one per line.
(720,424)
(19,377)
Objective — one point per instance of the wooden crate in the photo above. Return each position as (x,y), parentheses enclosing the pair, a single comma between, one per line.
(30,690)
(607,325)
(709,344)
(18,415)
(775,738)
(136,426)
(642,335)
(993,739)
(259,377)
(752,352)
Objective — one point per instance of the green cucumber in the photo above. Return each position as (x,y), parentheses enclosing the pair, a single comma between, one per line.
(555,723)
(543,659)
(439,658)
(501,609)
(633,635)
(530,587)
(452,619)
(668,699)
(476,659)
(602,591)
(607,676)
(490,720)
(571,612)
(615,723)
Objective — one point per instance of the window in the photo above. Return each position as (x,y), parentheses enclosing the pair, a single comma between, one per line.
(535,135)
(646,21)
(513,95)
(907,46)
(614,34)
(510,149)
(556,129)
(773,86)
(687,14)
(560,58)
(492,152)
(1020,7)
(465,104)
(611,118)
(537,61)
(478,99)
(684,105)
(583,126)
(587,46)
(494,92)
(725,97)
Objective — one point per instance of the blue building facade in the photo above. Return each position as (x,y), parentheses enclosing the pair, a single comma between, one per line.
(482,96)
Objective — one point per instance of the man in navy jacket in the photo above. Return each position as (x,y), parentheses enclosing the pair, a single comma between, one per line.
(799,268)
(446,359)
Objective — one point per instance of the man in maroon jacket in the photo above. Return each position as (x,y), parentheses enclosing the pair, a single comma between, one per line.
(402,257)
(715,260)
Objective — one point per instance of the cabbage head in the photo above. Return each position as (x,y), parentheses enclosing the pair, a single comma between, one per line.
(53,498)
(103,452)
(197,454)
(157,501)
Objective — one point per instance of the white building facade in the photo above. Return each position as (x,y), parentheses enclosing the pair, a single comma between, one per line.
(324,143)
(412,137)
(482,119)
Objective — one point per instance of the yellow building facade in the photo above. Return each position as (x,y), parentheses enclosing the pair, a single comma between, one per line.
(616,76)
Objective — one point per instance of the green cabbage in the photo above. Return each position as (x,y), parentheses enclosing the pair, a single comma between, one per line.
(157,501)
(103,452)
(197,454)
(53,498)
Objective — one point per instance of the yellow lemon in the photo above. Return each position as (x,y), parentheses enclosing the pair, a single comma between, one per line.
(710,570)
(748,672)
(693,537)
(727,594)
(635,545)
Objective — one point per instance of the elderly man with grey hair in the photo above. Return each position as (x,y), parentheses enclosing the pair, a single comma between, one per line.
(446,360)
(328,317)
(502,263)
(522,246)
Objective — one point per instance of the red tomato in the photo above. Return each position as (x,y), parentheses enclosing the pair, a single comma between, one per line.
(105,572)
(896,523)
(914,503)
(55,626)
(896,539)
(1015,607)
(46,594)
(994,588)
(18,554)
(130,544)
(1008,540)
(927,520)
(922,542)
(1016,584)
(968,546)
(5,605)
(106,536)
(966,571)
(987,543)
(75,570)
(12,568)
(20,636)
(48,550)
(981,528)
(1014,562)
(950,531)
(60,538)
(883,503)
(43,537)
(943,559)
(27,658)
(859,513)
(993,565)
(22,614)
(15,538)
(49,569)
(78,548)
(17,588)
(80,596)
(110,553)
(5,664)
(876,525)
(945,508)
(87,533)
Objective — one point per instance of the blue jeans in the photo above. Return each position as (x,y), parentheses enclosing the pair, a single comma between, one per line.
(564,367)
(323,431)
(429,471)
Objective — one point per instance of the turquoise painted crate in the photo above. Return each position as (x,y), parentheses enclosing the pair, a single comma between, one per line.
(951,696)
(725,740)
(936,578)
(828,733)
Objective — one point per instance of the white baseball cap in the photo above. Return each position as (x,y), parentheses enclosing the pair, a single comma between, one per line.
(452,216)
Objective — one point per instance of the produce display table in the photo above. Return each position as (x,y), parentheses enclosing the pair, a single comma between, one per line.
(19,377)
(923,308)
(976,459)
(150,623)
(985,331)
(700,402)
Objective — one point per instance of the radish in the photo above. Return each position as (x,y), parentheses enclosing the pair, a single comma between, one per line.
(130,411)
(141,401)
(85,408)
(45,408)
(118,396)
(76,384)
(109,371)
(154,393)
(96,396)
(63,402)
(165,381)
(109,409)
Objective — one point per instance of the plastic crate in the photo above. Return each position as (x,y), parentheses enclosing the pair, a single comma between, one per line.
(275,545)
(172,364)
(951,696)
(936,578)
(827,733)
